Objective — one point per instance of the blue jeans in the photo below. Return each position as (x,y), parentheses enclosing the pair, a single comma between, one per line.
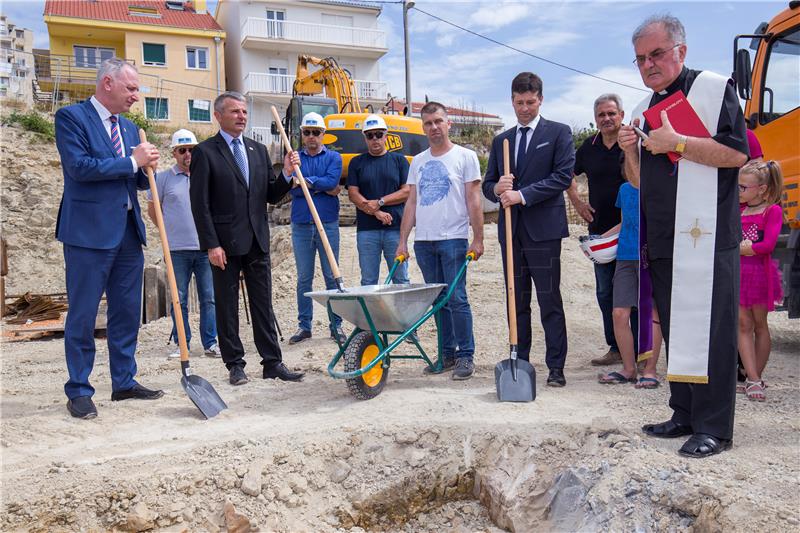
(440,261)
(306,243)
(604,289)
(186,262)
(371,245)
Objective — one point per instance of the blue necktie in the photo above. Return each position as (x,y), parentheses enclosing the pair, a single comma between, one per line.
(238,156)
(115,138)
(521,149)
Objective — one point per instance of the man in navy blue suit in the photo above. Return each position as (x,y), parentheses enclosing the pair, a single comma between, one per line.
(100,224)
(542,160)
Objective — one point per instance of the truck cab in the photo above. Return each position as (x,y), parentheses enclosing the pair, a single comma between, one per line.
(771,91)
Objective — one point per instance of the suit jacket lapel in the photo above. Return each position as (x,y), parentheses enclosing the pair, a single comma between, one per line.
(98,125)
(223,148)
(538,135)
(252,163)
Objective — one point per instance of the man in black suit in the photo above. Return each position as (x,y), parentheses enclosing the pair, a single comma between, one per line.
(230,187)
(542,160)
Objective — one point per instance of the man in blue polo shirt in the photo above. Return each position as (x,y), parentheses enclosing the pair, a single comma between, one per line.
(322,170)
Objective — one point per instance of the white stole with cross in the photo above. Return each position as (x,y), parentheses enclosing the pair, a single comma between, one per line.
(694,239)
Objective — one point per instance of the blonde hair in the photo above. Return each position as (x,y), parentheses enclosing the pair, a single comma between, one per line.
(767,173)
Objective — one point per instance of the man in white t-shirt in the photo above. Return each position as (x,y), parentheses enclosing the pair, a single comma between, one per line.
(444,201)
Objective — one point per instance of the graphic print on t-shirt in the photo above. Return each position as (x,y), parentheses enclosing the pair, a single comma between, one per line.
(434,182)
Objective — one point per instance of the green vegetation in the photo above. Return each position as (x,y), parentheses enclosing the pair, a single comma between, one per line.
(142,122)
(581,134)
(32,121)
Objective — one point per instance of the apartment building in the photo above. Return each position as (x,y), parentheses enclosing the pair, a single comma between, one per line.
(265,38)
(16,62)
(176,45)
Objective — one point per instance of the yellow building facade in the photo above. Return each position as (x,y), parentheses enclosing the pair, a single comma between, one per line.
(178,53)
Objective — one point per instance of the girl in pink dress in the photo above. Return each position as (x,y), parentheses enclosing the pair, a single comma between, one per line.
(760,186)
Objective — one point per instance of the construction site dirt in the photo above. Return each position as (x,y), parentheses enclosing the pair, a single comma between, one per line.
(428,454)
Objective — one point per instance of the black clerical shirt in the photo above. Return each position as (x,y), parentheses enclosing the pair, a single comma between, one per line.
(659,183)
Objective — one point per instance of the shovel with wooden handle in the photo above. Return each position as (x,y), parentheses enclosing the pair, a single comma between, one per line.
(337,276)
(199,390)
(514,378)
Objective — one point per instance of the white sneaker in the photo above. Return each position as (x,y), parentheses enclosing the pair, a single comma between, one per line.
(213,351)
(175,355)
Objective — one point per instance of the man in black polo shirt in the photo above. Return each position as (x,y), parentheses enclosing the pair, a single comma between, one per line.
(599,157)
(703,405)
(376,184)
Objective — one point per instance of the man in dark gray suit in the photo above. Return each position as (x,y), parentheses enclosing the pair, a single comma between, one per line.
(542,160)
(230,188)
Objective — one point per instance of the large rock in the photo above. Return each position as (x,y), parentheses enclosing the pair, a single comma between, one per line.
(251,482)
(140,518)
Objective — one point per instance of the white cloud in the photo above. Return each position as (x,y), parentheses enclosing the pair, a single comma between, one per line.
(494,15)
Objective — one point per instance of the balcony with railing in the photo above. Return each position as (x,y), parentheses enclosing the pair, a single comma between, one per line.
(307,37)
(281,84)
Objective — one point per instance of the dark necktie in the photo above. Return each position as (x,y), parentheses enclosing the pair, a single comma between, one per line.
(240,162)
(115,139)
(523,146)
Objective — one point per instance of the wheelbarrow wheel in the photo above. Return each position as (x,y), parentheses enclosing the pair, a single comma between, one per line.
(359,353)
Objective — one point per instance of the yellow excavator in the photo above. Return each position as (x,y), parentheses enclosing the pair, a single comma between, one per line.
(343,113)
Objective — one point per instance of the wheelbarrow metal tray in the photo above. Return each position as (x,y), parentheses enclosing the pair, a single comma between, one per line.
(393,308)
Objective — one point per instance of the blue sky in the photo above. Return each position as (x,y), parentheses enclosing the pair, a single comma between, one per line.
(463,70)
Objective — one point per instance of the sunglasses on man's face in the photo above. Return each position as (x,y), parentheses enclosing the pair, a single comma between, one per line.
(182,150)
(373,135)
(315,133)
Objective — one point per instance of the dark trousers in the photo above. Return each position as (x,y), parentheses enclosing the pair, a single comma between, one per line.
(604,289)
(258,278)
(708,408)
(89,273)
(540,263)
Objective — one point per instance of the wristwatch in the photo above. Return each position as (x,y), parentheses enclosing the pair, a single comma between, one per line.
(380,202)
(681,146)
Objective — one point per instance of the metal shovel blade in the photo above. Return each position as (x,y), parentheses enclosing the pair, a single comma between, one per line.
(203,395)
(515,380)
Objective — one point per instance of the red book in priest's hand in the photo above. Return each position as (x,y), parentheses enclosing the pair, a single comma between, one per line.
(681,115)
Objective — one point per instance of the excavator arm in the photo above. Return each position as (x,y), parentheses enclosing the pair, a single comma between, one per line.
(330,79)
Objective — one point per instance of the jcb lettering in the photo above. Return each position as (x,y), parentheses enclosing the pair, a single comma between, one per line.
(393,142)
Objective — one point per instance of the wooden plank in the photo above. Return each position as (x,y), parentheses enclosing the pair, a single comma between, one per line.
(150,294)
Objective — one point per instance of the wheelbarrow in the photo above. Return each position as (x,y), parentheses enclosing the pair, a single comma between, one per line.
(378,312)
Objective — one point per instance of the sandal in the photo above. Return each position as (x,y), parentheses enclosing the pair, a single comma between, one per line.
(614,378)
(647,383)
(755,390)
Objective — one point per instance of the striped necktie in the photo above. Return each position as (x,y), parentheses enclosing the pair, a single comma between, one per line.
(240,162)
(115,139)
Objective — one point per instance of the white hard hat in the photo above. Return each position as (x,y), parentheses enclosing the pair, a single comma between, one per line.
(374,122)
(183,138)
(600,250)
(313,120)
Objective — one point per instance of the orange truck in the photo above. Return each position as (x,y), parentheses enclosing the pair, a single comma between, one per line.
(770,86)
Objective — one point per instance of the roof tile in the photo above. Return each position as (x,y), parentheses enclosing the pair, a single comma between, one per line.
(117,11)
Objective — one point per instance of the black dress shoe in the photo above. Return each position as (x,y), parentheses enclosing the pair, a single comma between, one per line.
(280,371)
(667,430)
(556,378)
(702,445)
(237,375)
(82,407)
(137,392)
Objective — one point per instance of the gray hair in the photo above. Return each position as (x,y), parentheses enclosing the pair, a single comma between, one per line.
(608,97)
(112,67)
(219,102)
(671,24)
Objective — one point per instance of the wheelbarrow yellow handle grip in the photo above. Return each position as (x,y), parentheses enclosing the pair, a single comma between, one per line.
(400,258)
(471,256)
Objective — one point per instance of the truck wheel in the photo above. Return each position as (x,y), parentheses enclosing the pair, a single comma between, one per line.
(361,350)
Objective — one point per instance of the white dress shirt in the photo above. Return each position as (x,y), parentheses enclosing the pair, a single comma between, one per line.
(105,118)
(532,125)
